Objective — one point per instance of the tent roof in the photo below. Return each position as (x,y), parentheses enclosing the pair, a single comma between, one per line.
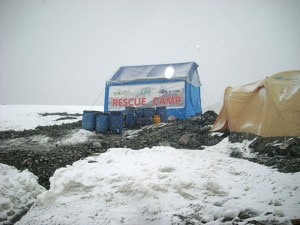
(182,71)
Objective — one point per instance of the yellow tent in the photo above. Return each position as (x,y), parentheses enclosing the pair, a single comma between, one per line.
(268,108)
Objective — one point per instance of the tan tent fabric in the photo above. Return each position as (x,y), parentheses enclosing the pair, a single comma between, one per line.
(268,108)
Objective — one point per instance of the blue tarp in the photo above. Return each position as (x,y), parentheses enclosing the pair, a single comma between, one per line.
(148,86)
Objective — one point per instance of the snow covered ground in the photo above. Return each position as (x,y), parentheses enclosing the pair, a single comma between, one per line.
(160,186)
(18,191)
(24,117)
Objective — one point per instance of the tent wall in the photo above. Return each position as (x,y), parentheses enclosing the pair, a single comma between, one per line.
(192,104)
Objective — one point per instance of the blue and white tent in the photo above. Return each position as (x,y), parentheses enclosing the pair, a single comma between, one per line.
(176,86)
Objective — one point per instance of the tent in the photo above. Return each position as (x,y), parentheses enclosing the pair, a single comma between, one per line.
(268,108)
(175,86)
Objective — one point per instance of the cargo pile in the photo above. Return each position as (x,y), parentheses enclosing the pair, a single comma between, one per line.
(114,121)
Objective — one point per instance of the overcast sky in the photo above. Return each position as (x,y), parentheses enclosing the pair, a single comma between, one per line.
(62,52)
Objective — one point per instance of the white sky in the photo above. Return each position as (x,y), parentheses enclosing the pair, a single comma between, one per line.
(62,52)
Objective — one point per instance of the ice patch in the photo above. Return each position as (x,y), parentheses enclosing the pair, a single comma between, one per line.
(77,137)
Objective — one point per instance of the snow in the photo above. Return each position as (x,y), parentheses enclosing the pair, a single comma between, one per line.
(76,137)
(158,185)
(150,186)
(18,191)
(24,117)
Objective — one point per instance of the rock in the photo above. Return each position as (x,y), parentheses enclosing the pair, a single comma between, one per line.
(181,127)
(243,215)
(212,141)
(295,221)
(207,218)
(184,139)
(295,150)
(246,214)
(209,117)
(255,222)
(97,144)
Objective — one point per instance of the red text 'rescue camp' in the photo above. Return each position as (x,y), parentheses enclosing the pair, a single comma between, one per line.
(139,102)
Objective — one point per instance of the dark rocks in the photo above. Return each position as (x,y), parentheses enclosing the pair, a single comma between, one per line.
(209,118)
(236,153)
(244,217)
(282,153)
(62,114)
(235,137)
(294,148)
(246,214)
(191,134)
(44,163)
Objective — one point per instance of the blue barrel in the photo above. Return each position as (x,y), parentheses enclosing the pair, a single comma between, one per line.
(149,112)
(131,118)
(143,122)
(102,123)
(89,120)
(140,112)
(163,114)
(116,122)
(148,115)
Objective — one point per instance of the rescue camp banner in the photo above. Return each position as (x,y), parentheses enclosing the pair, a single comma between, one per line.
(170,94)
